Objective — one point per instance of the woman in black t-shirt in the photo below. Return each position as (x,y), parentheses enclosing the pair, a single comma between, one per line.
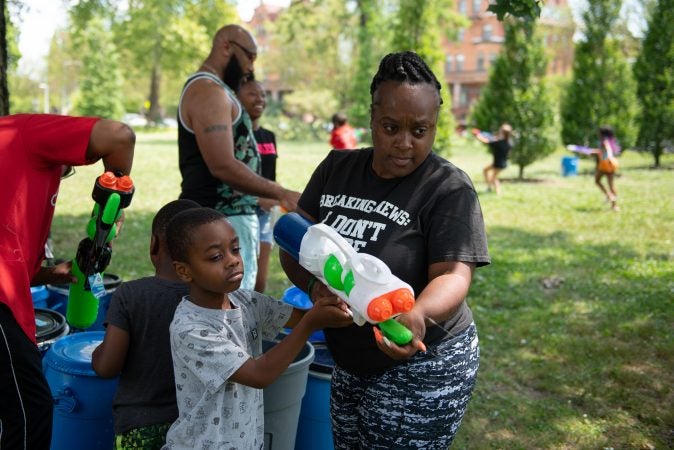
(420,214)
(499,146)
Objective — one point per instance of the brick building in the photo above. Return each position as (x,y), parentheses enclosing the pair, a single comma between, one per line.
(469,57)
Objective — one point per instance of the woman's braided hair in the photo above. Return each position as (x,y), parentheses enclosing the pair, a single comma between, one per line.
(405,67)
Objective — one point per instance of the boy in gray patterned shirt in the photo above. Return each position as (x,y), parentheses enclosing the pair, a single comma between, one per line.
(217,333)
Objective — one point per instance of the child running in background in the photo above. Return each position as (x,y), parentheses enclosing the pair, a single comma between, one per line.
(136,345)
(217,333)
(607,164)
(499,146)
(254,100)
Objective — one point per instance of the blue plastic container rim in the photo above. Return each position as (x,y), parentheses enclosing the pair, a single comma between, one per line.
(72,354)
(39,293)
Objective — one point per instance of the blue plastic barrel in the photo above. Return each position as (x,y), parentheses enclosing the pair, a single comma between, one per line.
(58,299)
(315,429)
(82,400)
(40,295)
(569,166)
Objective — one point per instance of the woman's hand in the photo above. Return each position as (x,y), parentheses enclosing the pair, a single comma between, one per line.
(416,323)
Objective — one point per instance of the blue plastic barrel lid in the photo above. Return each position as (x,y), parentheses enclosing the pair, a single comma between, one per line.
(297,297)
(72,353)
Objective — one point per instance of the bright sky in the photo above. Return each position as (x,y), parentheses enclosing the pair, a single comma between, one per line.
(41,17)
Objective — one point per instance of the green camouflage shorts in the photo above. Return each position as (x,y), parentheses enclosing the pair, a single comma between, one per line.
(151,437)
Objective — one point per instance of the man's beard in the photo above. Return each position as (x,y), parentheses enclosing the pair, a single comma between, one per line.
(234,75)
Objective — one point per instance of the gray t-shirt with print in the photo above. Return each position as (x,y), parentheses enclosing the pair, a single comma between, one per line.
(208,346)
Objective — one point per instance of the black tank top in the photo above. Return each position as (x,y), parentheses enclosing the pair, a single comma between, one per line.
(198,183)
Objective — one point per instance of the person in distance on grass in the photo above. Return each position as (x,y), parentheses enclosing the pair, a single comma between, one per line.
(218,156)
(217,333)
(607,164)
(499,147)
(254,100)
(36,152)
(136,345)
(343,136)
(419,214)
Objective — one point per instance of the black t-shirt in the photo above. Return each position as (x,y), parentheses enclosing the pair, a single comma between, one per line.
(266,147)
(146,393)
(432,215)
(500,149)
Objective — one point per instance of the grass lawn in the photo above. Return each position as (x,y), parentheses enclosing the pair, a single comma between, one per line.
(575,313)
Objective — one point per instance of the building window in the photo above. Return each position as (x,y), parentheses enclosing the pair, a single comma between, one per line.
(487,32)
(492,58)
(463,97)
(448,63)
(459,63)
(477,7)
(480,62)
(462,7)
(461,34)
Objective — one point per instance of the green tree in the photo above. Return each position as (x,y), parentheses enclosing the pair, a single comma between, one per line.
(422,26)
(602,90)
(316,50)
(100,90)
(654,73)
(517,93)
(9,54)
(160,37)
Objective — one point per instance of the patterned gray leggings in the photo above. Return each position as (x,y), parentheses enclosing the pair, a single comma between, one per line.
(418,405)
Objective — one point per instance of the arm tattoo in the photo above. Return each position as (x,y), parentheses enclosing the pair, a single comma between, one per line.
(212,128)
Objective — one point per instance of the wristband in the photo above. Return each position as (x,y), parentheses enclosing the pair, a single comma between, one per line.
(310,285)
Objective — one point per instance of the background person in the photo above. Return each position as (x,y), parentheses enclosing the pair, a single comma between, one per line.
(136,345)
(607,164)
(254,100)
(499,147)
(218,157)
(342,136)
(417,212)
(217,333)
(36,151)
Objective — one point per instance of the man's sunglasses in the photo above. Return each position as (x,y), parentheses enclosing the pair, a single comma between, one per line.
(250,55)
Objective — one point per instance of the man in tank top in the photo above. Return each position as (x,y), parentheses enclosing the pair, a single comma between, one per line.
(218,156)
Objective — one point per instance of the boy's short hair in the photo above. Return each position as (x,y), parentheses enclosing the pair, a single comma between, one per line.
(339,119)
(167,212)
(180,230)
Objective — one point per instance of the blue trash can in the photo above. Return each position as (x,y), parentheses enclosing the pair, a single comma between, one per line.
(82,400)
(315,428)
(569,166)
(283,399)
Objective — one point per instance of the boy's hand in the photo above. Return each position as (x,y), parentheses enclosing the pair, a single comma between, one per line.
(329,312)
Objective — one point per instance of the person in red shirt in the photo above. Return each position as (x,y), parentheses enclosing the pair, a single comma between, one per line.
(36,152)
(343,137)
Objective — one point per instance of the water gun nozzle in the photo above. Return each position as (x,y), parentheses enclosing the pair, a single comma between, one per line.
(380,309)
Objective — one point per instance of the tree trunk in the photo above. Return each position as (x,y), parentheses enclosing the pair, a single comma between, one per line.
(4,91)
(656,155)
(155,114)
(521,175)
